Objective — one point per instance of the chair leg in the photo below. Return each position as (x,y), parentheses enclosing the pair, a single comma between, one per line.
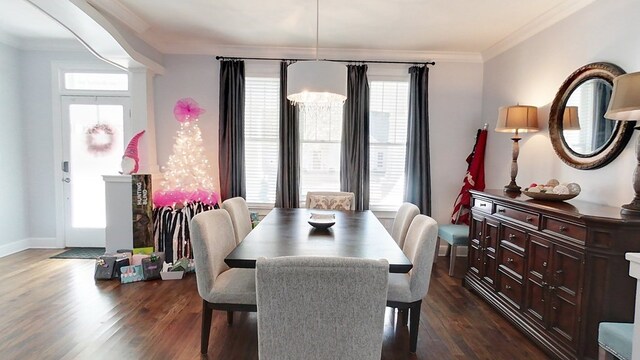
(414,312)
(404,316)
(207,312)
(229,318)
(452,259)
(435,253)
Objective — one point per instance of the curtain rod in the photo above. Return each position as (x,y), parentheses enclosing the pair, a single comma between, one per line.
(333,60)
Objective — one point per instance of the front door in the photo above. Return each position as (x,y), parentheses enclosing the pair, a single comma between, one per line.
(93,135)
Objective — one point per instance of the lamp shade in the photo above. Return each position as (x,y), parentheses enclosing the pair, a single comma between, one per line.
(518,118)
(317,82)
(625,100)
(570,120)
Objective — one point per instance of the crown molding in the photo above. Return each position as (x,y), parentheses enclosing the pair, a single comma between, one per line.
(203,47)
(121,12)
(51,45)
(9,39)
(542,22)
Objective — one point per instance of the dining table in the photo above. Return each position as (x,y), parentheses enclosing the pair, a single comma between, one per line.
(286,232)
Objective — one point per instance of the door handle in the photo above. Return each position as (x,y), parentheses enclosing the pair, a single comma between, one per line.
(65,166)
(66,179)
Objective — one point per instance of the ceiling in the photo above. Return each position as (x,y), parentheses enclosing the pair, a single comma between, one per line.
(400,26)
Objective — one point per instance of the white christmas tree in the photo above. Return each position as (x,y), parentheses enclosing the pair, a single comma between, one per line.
(187,176)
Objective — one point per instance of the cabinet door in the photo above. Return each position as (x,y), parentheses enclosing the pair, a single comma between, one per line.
(489,253)
(539,252)
(565,285)
(475,246)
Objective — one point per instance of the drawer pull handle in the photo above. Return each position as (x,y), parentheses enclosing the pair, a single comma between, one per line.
(482,204)
(529,218)
(544,283)
(510,260)
(563,228)
(479,233)
(501,210)
(511,236)
(488,237)
(507,287)
(544,264)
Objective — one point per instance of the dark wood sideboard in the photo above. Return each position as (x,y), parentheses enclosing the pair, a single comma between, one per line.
(554,269)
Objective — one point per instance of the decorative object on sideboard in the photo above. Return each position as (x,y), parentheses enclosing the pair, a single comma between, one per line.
(625,106)
(516,119)
(580,134)
(552,190)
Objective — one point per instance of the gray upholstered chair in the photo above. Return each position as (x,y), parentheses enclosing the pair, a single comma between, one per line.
(455,235)
(320,307)
(615,340)
(220,287)
(406,291)
(331,200)
(401,223)
(240,217)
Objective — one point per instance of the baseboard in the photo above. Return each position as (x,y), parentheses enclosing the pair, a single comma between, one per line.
(14,247)
(29,243)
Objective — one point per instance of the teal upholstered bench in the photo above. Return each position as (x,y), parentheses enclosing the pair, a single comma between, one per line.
(455,235)
(615,340)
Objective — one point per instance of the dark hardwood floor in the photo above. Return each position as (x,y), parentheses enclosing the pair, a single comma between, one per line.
(53,309)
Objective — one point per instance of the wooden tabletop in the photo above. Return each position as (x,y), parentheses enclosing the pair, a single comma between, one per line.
(285,232)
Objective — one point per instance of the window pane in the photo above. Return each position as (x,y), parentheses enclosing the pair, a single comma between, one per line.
(261,115)
(389,107)
(320,136)
(96,81)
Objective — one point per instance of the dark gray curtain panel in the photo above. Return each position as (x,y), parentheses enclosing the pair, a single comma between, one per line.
(417,164)
(354,154)
(288,183)
(231,130)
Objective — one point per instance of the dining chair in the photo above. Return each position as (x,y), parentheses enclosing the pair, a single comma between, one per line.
(331,200)
(401,223)
(220,287)
(313,307)
(406,291)
(240,217)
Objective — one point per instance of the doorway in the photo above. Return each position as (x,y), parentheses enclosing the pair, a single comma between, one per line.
(93,136)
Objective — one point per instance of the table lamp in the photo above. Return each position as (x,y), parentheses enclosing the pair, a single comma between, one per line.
(570,120)
(625,106)
(516,119)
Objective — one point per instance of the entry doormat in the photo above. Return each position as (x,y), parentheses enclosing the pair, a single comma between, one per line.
(80,253)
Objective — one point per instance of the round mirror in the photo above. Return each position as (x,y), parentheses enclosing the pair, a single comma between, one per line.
(580,134)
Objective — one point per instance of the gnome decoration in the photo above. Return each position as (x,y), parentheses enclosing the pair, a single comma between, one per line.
(130,158)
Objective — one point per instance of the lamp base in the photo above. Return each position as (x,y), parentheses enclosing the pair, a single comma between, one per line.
(633,208)
(512,188)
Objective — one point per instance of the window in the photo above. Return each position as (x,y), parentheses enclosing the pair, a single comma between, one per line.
(96,81)
(261,116)
(389,107)
(320,136)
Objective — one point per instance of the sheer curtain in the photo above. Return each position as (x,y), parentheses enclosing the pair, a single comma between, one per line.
(231,129)
(417,163)
(288,183)
(354,154)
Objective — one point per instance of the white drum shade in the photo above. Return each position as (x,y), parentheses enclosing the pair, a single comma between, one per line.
(317,82)
(625,100)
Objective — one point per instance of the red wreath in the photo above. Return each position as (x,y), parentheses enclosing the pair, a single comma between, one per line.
(97,131)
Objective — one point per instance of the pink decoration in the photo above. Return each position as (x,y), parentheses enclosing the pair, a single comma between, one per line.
(187,110)
(131,152)
(172,197)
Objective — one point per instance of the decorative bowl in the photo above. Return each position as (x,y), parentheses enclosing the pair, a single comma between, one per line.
(322,221)
(549,196)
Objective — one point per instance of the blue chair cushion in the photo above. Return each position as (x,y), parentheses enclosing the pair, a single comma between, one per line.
(616,338)
(454,234)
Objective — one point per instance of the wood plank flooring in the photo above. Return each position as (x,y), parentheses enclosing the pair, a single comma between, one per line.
(53,309)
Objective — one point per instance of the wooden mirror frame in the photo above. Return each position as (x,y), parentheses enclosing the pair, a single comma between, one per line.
(621,133)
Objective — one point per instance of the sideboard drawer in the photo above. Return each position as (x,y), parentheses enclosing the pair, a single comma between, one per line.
(512,261)
(513,238)
(564,228)
(530,219)
(510,289)
(483,205)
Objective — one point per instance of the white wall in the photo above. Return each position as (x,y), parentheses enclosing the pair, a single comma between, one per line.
(455,96)
(13,179)
(36,68)
(532,72)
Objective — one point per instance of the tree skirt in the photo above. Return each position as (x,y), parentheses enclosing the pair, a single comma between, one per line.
(171,229)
